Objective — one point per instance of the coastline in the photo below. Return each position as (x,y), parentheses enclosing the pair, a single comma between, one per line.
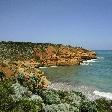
(48,66)
(91,93)
(85,62)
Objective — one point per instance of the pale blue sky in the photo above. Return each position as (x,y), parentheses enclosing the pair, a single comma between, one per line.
(86,23)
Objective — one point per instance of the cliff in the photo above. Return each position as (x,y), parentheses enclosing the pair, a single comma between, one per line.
(44,54)
(63,55)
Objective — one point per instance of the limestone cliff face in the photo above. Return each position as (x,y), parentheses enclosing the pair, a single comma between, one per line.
(63,55)
(44,54)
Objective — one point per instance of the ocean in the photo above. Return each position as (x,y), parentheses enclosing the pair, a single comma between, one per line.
(92,77)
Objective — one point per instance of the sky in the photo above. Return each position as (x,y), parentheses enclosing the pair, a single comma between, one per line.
(86,23)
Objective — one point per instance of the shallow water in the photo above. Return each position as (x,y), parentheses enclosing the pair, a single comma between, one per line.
(95,74)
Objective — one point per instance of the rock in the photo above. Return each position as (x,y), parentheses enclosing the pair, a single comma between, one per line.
(23,71)
(44,54)
(64,55)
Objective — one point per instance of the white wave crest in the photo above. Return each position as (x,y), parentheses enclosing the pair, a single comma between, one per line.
(88,62)
(84,63)
(106,95)
(100,57)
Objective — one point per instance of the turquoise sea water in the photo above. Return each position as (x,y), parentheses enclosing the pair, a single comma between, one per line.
(94,73)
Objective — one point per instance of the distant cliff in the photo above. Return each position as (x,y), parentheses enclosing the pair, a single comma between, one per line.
(63,55)
(45,54)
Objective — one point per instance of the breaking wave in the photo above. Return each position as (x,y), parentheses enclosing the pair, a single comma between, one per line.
(90,92)
(86,90)
(89,62)
(100,57)
(106,95)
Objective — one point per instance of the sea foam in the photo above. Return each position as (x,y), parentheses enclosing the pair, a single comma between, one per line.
(88,62)
(100,57)
(90,92)
(86,90)
(106,95)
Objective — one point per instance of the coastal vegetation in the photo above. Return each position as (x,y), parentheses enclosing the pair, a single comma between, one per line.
(15,97)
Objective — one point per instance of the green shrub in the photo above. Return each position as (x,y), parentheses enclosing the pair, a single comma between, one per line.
(2,76)
(32,83)
(88,106)
(21,78)
(50,97)
(73,99)
(104,105)
(30,105)
(6,92)
(63,107)
(21,104)
(19,90)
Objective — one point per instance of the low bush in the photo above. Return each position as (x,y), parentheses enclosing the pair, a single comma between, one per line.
(88,106)
(50,97)
(63,107)
(17,98)
(104,105)
(21,104)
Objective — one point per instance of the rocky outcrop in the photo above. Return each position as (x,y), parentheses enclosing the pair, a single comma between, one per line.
(44,54)
(64,55)
(88,56)
(24,69)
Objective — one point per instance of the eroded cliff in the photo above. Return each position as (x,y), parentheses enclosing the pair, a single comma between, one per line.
(44,54)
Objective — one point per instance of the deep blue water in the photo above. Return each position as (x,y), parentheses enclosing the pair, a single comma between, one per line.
(95,73)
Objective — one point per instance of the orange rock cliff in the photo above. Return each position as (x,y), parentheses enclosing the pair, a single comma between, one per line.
(44,54)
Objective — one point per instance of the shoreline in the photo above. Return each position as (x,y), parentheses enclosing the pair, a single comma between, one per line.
(85,62)
(91,93)
(48,66)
